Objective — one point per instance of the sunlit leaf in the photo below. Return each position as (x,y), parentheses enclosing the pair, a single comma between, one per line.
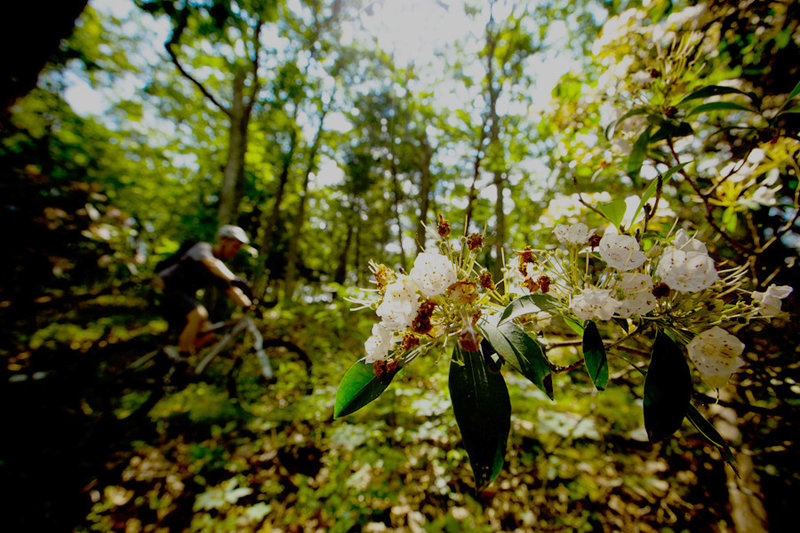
(710,433)
(718,106)
(530,303)
(614,211)
(795,91)
(611,128)
(358,387)
(667,389)
(716,90)
(651,189)
(638,154)
(521,351)
(483,412)
(594,355)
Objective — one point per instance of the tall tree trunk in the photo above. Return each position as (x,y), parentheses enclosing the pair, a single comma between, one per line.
(270,226)
(233,177)
(476,172)
(291,256)
(424,190)
(744,491)
(396,211)
(37,28)
(340,276)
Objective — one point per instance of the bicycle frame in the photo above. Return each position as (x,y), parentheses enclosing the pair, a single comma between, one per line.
(245,323)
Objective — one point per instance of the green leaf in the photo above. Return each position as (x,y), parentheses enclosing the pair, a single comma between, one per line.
(574,324)
(594,355)
(358,387)
(795,109)
(483,413)
(710,433)
(715,90)
(651,189)
(638,154)
(521,351)
(730,218)
(672,130)
(667,389)
(530,303)
(794,92)
(611,128)
(614,211)
(717,106)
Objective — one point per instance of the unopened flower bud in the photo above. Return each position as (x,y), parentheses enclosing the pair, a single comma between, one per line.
(443,227)
(474,241)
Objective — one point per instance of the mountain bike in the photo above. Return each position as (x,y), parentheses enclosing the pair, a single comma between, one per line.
(260,374)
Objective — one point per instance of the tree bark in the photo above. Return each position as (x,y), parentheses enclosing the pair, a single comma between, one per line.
(424,190)
(30,33)
(233,176)
(744,491)
(291,256)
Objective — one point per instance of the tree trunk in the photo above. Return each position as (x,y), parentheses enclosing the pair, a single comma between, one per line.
(291,256)
(340,276)
(270,226)
(424,191)
(233,177)
(744,491)
(37,28)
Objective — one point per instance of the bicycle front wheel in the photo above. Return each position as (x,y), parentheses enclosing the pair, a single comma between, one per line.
(290,380)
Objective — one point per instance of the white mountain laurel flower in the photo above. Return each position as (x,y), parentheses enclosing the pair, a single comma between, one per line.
(688,244)
(715,354)
(637,295)
(578,233)
(379,344)
(621,251)
(594,303)
(399,305)
(769,301)
(433,273)
(686,266)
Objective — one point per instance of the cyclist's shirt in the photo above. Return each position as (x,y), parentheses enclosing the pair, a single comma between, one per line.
(189,274)
(182,280)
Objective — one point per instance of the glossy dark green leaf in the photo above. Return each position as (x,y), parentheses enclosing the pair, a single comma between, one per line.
(521,352)
(667,389)
(710,433)
(530,303)
(483,413)
(638,155)
(716,90)
(794,92)
(594,355)
(672,130)
(358,387)
(719,106)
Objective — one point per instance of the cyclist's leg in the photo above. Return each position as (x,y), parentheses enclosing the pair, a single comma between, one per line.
(196,319)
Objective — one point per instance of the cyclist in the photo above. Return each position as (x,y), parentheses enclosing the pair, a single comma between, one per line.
(201,266)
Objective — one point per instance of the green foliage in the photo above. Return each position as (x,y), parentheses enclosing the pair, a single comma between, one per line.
(667,389)
(594,355)
(482,410)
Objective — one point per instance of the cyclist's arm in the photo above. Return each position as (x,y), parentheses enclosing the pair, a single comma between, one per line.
(219,269)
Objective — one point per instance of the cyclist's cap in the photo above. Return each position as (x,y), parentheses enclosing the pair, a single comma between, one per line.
(233,232)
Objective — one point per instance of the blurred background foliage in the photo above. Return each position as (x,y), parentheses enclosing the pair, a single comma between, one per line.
(291,119)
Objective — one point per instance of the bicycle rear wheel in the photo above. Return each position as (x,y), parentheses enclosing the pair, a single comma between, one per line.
(291,378)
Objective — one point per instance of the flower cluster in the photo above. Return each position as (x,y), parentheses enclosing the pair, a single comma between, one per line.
(594,274)
(439,298)
(674,284)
